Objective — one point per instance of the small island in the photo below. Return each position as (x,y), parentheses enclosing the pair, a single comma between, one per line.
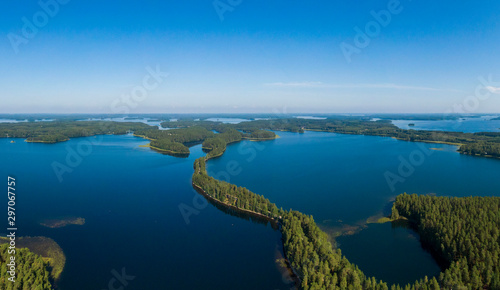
(62,222)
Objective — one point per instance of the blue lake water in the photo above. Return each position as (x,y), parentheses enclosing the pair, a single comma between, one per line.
(12,121)
(340,180)
(467,125)
(227,120)
(130,198)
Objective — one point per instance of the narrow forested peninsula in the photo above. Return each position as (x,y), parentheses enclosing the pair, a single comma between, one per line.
(307,248)
(463,231)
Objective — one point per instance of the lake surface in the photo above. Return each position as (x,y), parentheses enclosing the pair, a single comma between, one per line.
(310,117)
(340,180)
(12,121)
(467,125)
(130,198)
(227,120)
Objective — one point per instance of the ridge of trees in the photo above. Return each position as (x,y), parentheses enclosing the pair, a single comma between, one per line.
(464,232)
(31,270)
(188,132)
(307,248)
(53,132)
(480,144)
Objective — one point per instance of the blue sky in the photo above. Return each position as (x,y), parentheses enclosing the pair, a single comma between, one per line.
(256,56)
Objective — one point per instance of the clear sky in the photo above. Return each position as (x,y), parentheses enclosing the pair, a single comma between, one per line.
(238,56)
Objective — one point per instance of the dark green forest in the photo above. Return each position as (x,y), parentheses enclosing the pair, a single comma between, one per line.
(308,249)
(31,271)
(262,135)
(464,232)
(189,132)
(53,132)
(481,149)
(216,145)
(481,144)
(175,141)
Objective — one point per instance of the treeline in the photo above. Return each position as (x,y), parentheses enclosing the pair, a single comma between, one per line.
(175,141)
(262,135)
(307,248)
(464,232)
(482,143)
(292,125)
(315,261)
(216,146)
(231,194)
(190,123)
(189,131)
(52,132)
(31,270)
(171,147)
(481,148)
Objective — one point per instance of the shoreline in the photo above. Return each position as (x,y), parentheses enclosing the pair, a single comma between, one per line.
(293,273)
(163,150)
(261,139)
(45,142)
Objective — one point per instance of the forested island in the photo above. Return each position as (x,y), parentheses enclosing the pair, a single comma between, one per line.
(186,133)
(62,222)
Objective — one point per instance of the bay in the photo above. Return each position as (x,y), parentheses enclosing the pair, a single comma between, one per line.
(341,181)
(130,198)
